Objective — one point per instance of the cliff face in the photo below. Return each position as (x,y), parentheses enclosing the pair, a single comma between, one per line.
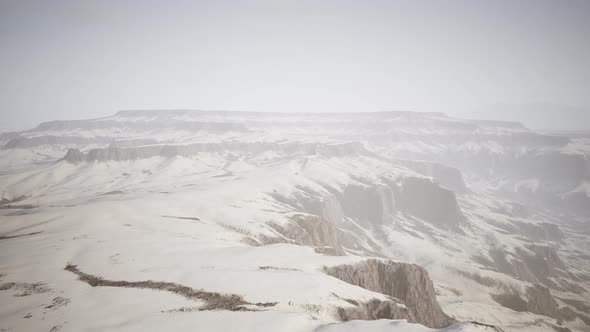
(538,300)
(309,230)
(376,309)
(131,152)
(446,176)
(367,204)
(371,204)
(364,206)
(31,142)
(536,264)
(408,283)
(430,202)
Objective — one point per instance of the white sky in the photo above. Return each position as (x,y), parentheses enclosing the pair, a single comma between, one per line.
(80,59)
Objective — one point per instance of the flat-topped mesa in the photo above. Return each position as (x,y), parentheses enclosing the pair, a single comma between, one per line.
(152,113)
(406,282)
(142,125)
(148,151)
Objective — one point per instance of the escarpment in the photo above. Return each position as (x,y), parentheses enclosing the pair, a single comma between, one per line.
(554,167)
(328,206)
(364,206)
(140,123)
(367,204)
(430,202)
(375,309)
(536,299)
(309,230)
(446,176)
(533,263)
(543,231)
(115,153)
(373,204)
(130,143)
(408,283)
(578,201)
(26,142)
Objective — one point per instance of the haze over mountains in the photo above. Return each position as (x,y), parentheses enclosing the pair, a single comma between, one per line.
(539,116)
(223,221)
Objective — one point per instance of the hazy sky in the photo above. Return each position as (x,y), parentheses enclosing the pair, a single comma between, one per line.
(80,59)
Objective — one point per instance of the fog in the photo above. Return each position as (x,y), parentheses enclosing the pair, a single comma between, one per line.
(295,166)
(81,59)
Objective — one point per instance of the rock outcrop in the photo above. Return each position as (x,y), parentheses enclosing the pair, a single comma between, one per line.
(406,282)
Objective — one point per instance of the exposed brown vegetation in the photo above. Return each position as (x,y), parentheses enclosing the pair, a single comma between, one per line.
(6,201)
(4,237)
(487,325)
(17,206)
(57,303)
(26,289)
(183,218)
(277,268)
(213,301)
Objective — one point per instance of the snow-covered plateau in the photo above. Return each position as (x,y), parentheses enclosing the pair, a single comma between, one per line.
(243,221)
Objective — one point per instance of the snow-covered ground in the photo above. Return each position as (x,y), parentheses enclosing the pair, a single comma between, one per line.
(255,207)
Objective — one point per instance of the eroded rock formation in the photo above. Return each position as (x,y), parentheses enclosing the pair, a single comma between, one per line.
(408,283)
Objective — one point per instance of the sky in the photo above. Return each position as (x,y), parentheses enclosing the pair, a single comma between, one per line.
(82,59)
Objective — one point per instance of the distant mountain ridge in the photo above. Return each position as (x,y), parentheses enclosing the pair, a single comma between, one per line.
(538,116)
